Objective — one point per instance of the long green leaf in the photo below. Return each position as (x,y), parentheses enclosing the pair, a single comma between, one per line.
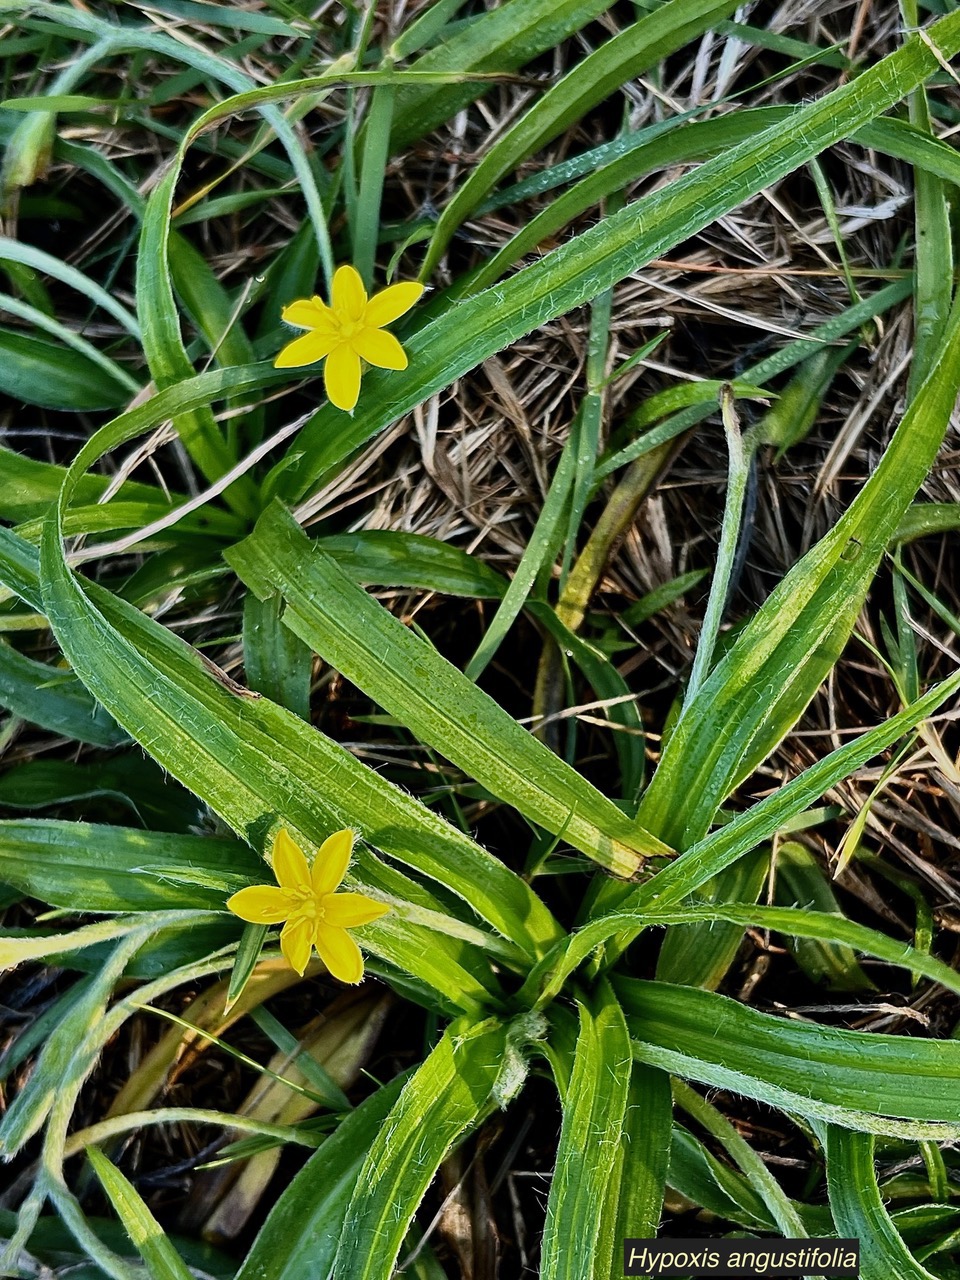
(739,1150)
(300,1237)
(546,980)
(28,487)
(127,778)
(860,1080)
(629,54)
(84,867)
(412,681)
(44,373)
(760,688)
(475,1068)
(590,1144)
(649,150)
(389,558)
(498,40)
(859,1211)
(699,955)
(162,1260)
(26,255)
(640,1171)
(53,699)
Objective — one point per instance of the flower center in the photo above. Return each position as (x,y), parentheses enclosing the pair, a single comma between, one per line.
(308,906)
(349,328)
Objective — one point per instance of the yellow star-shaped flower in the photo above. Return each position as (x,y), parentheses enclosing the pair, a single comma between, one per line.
(315,914)
(346,332)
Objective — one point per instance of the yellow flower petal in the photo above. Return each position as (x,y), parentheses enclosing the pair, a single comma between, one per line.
(339,953)
(309,313)
(307,349)
(331,862)
(378,347)
(296,942)
(261,904)
(290,864)
(391,303)
(349,295)
(341,377)
(349,910)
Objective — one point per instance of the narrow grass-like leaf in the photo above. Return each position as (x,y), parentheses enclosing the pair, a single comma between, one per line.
(933,248)
(300,1237)
(85,867)
(712,1184)
(44,373)
(474,1068)
(764,682)
(376,145)
(763,372)
(67,336)
(590,1143)
(640,1170)
(629,54)
(53,699)
(799,882)
(541,544)
(169,947)
(162,1260)
(276,662)
(28,487)
(425,28)
(27,256)
(738,1149)
(876,1083)
(892,136)
(35,1034)
(499,40)
(738,469)
(166,354)
(220,15)
(412,681)
(128,779)
(389,558)
(859,1211)
(20,569)
(72,1048)
(547,978)
(699,955)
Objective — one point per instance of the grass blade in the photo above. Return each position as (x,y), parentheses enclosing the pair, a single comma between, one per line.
(85,867)
(764,682)
(859,1211)
(435,700)
(161,1258)
(627,55)
(474,1068)
(498,40)
(590,1143)
(861,1080)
